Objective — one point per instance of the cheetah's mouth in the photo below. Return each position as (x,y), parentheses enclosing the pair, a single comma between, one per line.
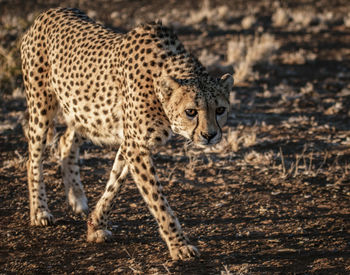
(196,140)
(205,144)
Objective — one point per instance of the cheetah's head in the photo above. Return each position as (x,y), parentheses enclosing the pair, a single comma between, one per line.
(196,108)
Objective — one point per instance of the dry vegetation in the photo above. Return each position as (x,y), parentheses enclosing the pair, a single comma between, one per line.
(272,197)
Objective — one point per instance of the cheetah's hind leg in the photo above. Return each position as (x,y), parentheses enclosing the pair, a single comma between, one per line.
(69,151)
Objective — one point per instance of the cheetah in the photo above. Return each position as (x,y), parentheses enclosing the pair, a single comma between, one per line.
(131,91)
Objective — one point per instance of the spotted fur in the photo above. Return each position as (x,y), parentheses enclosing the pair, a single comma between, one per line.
(129,90)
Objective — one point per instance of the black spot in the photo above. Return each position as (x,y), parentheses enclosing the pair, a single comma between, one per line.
(155,196)
(144,177)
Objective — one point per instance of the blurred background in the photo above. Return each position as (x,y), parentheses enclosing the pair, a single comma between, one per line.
(225,35)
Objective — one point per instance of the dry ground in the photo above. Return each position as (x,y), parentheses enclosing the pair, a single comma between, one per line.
(273,198)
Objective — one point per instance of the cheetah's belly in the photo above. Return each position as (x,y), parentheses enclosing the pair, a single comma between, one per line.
(100,128)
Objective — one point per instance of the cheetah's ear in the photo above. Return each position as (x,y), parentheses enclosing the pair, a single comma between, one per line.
(168,82)
(166,85)
(227,82)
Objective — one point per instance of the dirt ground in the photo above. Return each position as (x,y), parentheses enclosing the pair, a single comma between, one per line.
(273,198)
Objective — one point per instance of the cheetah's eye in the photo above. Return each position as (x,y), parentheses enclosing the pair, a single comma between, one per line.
(191,113)
(220,110)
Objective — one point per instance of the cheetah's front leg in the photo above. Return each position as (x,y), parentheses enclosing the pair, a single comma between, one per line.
(97,222)
(147,182)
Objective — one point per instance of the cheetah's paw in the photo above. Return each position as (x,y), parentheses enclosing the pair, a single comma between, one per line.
(184,252)
(99,236)
(78,204)
(80,207)
(42,218)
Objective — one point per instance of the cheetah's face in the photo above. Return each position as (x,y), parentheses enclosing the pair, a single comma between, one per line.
(197,110)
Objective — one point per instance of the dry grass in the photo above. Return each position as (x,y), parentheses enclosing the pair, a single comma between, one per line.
(10,63)
(226,271)
(302,165)
(248,22)
(18,161)
(302,19)
(280,18)
(208,13)
(235,140)
(9,68)
(301,56)
(259,159)
(246,52)
(346,20)
(209,60)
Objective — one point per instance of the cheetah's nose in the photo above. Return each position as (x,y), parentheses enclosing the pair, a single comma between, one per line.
(208,136)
